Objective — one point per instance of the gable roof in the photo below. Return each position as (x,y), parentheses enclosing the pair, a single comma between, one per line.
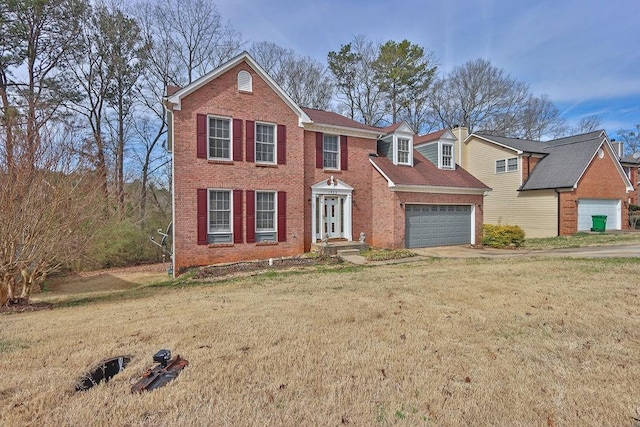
(433,136)
(173,101)
(425,176)
(565,159)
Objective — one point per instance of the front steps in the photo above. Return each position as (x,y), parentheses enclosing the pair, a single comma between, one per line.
(340,247)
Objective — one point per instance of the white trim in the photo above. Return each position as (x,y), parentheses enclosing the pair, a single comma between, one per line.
(209,190)
(441,145)
(275,143)
(390,183)
(245,81)
(437,190)
(331,188)
(230,119)
(506,165)
(341,130)
(175,101)
(493,142)
(338,144)
(273,231)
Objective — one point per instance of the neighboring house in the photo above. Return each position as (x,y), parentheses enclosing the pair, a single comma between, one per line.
(551,188)
(256,176)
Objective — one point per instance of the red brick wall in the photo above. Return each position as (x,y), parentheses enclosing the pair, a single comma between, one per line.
(600,181)
(357,176)
(528,163)
(221,97)
(389,215)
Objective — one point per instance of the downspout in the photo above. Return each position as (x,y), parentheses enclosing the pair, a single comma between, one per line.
(559,217)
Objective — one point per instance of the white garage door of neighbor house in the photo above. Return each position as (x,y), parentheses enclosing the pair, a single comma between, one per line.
(437,225)
(589,207)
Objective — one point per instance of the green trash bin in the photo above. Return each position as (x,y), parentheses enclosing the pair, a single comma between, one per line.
(599,222)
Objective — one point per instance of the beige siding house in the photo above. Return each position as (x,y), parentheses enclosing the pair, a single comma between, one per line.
(549,188)
(535,211)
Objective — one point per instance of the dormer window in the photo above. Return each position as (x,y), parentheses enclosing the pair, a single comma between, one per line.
(403,151)
(447,156)
(245,82)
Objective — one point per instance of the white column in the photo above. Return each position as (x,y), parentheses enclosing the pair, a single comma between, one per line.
(321,219)
(313,217)
(348,231)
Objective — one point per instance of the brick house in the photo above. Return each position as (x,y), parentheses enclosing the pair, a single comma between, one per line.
(551,188)
(256,176)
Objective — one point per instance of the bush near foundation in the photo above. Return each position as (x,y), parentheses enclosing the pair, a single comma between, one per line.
(502,236)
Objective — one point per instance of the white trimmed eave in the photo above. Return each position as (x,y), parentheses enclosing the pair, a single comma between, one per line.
(390,183)
(605,142)
(433,189)
(519,152)
(175,101)
(341,130)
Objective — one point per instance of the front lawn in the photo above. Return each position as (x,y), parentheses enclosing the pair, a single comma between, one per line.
(579,240)
(523,341)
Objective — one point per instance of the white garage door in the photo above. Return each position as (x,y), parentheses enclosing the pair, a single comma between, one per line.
(588,207)
(437,225)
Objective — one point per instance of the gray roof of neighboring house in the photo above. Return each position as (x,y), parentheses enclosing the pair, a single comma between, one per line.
(518,144)
(564,162)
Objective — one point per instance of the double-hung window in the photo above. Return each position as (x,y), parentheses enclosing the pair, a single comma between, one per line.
(220,216)
(447,156)
(507,165)
(219,138)
(403,151)
(265,143)
(265,216)
(330,152)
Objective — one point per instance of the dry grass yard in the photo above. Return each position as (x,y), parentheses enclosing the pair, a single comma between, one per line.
(545,342)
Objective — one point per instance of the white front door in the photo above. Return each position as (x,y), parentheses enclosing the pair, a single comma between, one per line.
(332,219)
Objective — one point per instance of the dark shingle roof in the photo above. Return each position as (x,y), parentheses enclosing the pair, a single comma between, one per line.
(426,173)
(564,161)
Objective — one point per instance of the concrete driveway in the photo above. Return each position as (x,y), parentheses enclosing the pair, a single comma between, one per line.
(619,251)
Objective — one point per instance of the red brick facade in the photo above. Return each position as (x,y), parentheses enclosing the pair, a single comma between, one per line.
(375,210)
(221,97)
(596,183)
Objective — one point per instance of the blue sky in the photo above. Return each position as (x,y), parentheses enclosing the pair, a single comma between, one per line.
(584,54)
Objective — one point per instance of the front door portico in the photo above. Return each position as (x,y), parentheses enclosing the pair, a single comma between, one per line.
(331,207)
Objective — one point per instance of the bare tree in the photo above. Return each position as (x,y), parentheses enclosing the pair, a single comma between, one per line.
(539,119)
(190,37)
(631,139)
(303,78)
(179,51)
(48,212)
(587,124)
(354,77)
(479,96)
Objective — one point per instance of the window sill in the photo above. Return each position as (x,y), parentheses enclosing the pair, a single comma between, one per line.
(332,171)
(266,243)
(245,92)
(266,165)
(220,245)
(219,162)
